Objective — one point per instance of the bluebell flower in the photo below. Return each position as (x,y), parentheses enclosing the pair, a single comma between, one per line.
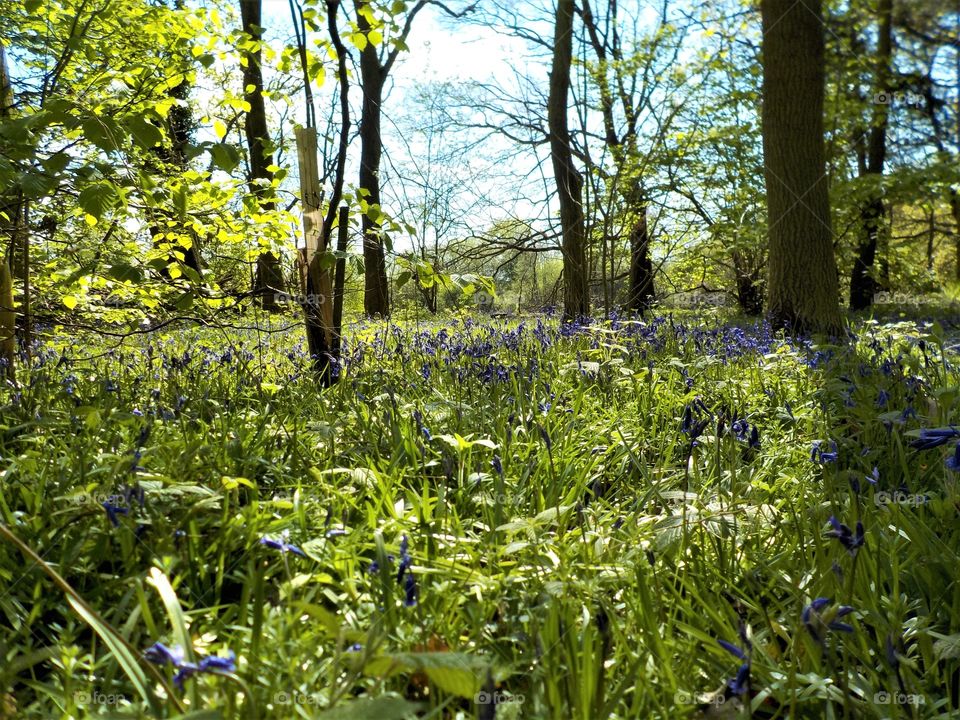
(732,649)
(160,654)
(818,454)
(882,399)
(405,560)
(851,540)
(813,618)
(953,462)
(934,438)
(497,465)
(740,684)
(874,477)
(114,510)
(411,591)
(282,546)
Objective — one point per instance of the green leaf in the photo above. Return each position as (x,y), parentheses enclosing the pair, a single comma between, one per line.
(181,633)
(102,131)
(99,197)
(124,272)
(225,156)
(144,133)
(372,708)
(456,673)
(56,163)
(403,278)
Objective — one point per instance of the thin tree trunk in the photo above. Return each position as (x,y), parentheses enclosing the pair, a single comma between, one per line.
(862,284)
(576,288)
(803,285)
(640,293)
(269,276)
(11,208)
(376,293)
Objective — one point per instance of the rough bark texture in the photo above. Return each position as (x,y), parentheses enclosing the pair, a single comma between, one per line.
(802,284)
(376,295)
(576,288)
(640,292)
(872,213)
(269,276)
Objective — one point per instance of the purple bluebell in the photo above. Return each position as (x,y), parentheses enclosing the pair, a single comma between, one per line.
(953,462)
(410,589)
(818,454)
(114,510)
(851,540)
(282,546)
(934,438)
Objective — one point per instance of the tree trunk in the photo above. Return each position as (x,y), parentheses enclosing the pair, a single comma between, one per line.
(802,285)
(749,293)
(376,293)
(269,277)
(955,209)
(11,209)
(576,288)
(640,292)
(862,284)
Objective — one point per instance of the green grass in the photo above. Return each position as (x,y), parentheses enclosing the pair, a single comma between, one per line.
(591,578)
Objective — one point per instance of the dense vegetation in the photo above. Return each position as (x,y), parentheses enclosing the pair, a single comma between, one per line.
(569,518)
(547,359)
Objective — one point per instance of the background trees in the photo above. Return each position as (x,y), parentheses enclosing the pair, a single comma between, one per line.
(626,146)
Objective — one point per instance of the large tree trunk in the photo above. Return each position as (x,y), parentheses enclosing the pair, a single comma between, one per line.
(576,288)
(376,293)
(640,292)
(269,277)
(862,284)
(802,285)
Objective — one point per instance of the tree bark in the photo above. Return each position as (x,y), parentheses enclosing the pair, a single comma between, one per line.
(640,293)
(872,213)
(11,207)
(376,292)
(576,288)
(803,286)
(269,277)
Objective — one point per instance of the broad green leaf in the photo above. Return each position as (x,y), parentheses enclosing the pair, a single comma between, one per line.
(98,198)
(372,708)
(144,133)
(225,156)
